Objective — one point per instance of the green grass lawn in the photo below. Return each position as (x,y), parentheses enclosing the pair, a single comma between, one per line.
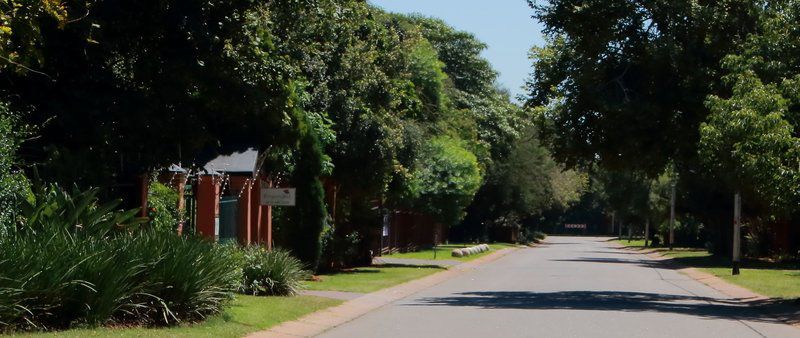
(443,252)
(774,280)
(369,279)
(247,314)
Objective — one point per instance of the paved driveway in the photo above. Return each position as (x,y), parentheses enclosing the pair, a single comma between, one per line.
(570,287)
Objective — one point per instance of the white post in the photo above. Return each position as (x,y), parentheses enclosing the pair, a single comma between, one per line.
(672,216)
(630,233)
(737,224)
(613,214)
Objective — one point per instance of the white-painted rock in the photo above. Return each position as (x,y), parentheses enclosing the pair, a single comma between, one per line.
(486,247)
(457,253)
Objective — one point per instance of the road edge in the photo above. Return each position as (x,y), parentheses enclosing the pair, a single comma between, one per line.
(737,292)
(321,321)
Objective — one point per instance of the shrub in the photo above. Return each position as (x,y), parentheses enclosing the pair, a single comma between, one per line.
(339,251)
(163,203)
(75,262)
(13,183)
(531,236)
(757,238)
(271,273)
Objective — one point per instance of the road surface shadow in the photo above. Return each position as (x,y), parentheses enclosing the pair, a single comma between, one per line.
(764,311)
(619,252)
(638,262)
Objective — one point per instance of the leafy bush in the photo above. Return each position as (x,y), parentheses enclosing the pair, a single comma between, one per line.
(75,262)
(270,273)
(163,202)
(688,232)
(527,235)
(13,184)
(758,240)
(339,251)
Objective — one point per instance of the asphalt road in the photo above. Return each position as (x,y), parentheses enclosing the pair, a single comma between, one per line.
(571,287)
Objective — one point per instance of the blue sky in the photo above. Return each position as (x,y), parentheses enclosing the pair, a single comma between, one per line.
(505,25)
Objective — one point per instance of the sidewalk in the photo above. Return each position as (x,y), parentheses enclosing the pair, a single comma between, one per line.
(319,322)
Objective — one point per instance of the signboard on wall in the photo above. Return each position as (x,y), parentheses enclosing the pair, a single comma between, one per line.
(280,197)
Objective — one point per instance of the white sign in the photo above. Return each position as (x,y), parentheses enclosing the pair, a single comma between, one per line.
(278,196)
(575,226)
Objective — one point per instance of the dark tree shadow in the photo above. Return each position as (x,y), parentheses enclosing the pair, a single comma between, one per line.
(764,311)
(613,252)
(637,262)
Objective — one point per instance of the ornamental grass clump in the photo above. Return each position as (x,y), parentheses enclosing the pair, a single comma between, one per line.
(77,263)
(271,273)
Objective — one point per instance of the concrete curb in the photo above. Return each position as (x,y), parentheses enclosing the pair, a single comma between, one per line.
(737,292)
(714,282)
(318,322)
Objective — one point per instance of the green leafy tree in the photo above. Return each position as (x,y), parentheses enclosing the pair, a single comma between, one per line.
(750,139)
(749,144)
(118,94)
(624,83)
(447,179)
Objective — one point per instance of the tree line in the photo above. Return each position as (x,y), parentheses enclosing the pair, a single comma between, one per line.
(400,109)
(698,94)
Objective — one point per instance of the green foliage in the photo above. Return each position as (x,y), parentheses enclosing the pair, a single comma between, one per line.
(74,262)
(123,94)
(19,29)
(447,179)
(13,184)
(688,231)
(308,217)
(659,197)
(49,209)
(623,83)
(271,273)
(749,140)
(627,194)
(339,251)
(163,201)
(428,80)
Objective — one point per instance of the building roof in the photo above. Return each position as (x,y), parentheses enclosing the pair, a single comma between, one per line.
(176,169)
(240,162)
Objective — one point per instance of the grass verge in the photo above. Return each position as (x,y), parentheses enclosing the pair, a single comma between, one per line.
(443,252)
(246,315)
(776,280)
(369,279)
